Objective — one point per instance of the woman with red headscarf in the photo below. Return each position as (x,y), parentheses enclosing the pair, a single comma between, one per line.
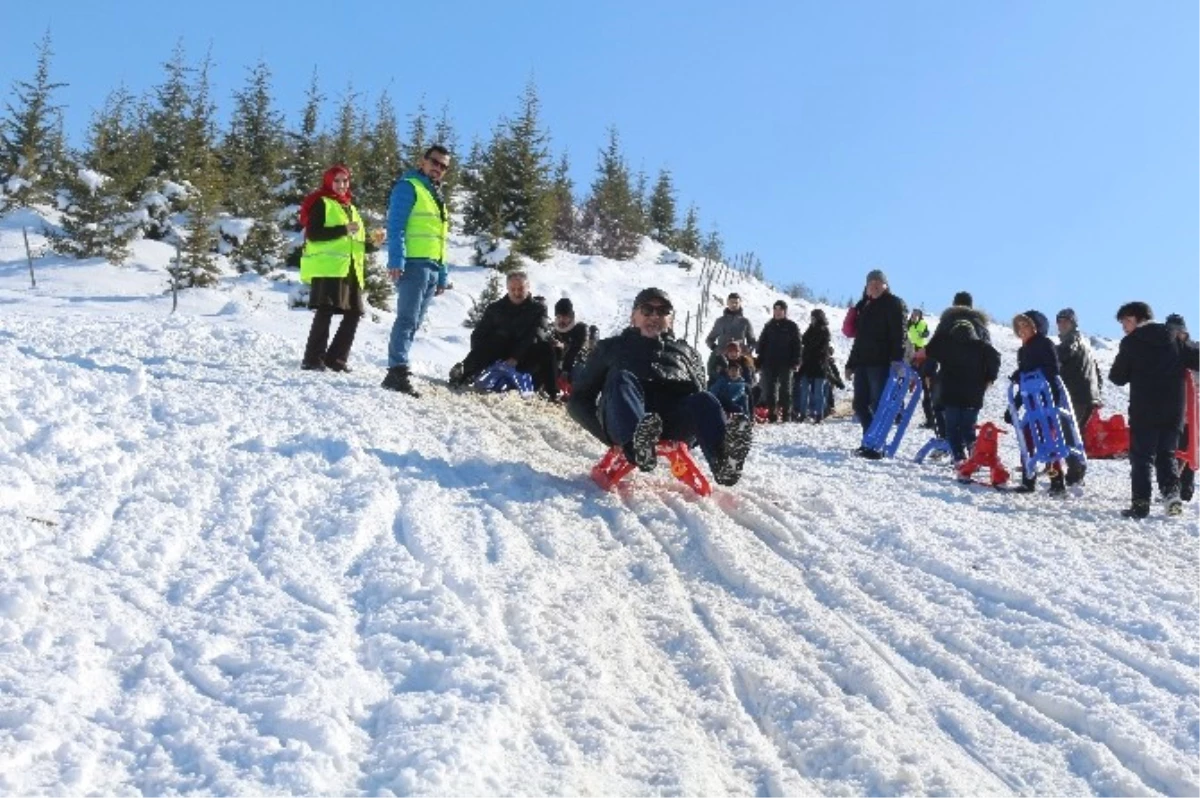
(334,263)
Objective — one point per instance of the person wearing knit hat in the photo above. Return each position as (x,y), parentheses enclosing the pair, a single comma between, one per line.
(878,347)
(1077,367)
(645,385)
(569,339)
(1177,325)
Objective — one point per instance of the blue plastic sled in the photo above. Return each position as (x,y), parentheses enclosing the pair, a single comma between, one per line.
(933,445)
(500,377)
(901,380)
(1041,422)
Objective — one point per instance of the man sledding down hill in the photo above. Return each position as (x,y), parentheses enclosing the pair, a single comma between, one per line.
(646,385)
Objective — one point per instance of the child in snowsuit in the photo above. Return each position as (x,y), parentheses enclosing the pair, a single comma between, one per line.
(966,367)
(732,390)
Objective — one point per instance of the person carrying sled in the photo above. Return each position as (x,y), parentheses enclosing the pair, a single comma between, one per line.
(514,329)
(646,385)
(1037,353)
(1187,475)
(778,360)
(1151,360)
(966,368)
(878,347)
(418,224)
(333,263)
(1078,367)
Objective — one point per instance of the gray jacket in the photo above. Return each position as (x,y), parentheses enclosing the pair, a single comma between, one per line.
(1079,371)
(730,326)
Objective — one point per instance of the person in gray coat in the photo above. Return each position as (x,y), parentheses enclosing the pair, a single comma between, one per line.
(1078,367)
(729,326)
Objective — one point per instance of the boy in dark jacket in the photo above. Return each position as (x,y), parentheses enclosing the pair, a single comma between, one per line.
(732,390)
(1037,353)
(1151,361)
(778,359)
(966,367)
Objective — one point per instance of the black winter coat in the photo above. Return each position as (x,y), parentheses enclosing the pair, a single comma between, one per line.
(814,351)
(1080,372)
(1037,353)
(665,366)
(966,365)
(956,313)
(573,341)
(511,328)
(879,336)
(779,345)
(1152,363)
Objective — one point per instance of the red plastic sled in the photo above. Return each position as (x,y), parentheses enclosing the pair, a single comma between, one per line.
(1105,438)
(1188,453)
(613,467)
(986,455)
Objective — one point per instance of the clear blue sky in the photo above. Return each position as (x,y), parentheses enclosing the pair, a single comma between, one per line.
(1039,154)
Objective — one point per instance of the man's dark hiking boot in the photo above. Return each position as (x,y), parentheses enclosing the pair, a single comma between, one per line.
(1138,510)
(397,379)
(738,434)
(338,365)
(1028,484)
(869,453)
(1075,472)
(313,366)
(642,450)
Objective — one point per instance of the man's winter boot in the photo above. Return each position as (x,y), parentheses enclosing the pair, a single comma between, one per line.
(642,450)
(1075,472)
(1138,510)
(738,434)
(397,379)
(1028,484)
(1174,503)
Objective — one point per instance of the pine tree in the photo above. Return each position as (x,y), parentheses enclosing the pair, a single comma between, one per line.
(382,165)
(529,204)
(346,140)
(661,211)
(379,286)
(417,135)
(169,120)
(688,239)
(484,213)
(305,163)
(491,292)
(567,233)
(199,267)
(253,150)
(714,247)
(611,215)
(445,135)
(120,145)
(95,223)
(265,247)
(32,145)
(201,129)
(641,200)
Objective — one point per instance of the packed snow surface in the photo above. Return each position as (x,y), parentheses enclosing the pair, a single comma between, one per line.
(222,575)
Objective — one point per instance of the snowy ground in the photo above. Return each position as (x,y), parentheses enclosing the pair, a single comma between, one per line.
(219,574)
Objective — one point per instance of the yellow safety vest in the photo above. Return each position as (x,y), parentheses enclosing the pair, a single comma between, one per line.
(427,227)
(334,258)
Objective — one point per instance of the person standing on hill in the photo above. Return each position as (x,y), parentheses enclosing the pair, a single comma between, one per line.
(418,225)
(1187,476)
(731,325)
(815,358)
(1077,367)
(878,345)
(333,263)
(778,359)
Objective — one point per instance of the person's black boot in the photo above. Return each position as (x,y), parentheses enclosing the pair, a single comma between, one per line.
(1028,484)
(739,432)
(642,450)
(397,379)
(1138,510)
(1075,472)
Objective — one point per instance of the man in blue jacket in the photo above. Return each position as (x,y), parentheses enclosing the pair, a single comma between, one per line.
(417,227)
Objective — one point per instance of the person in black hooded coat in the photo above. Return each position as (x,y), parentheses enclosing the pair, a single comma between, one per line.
(966,366)
(1152,362)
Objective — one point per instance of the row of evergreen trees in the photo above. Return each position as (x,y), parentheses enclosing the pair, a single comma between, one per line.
(160,166)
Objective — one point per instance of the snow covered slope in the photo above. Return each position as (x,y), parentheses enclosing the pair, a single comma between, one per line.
(219,574)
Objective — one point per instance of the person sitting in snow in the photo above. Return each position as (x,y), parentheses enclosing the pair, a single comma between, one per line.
(1151,360)
(569,338)
(514,329)
(646,385)
(732,390)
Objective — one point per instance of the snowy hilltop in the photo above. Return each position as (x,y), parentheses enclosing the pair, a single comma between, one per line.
(222,575)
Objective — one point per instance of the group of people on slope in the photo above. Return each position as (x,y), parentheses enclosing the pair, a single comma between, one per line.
(790,375)
(958,364)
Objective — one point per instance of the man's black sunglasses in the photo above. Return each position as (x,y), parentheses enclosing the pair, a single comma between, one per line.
(655,310)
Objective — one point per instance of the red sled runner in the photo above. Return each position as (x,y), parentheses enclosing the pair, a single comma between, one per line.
(613,467)
(1188,454)
(1106,438)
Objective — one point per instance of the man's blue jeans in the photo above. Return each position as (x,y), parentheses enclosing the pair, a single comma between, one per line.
(697,416)
(869,382)
(414,291)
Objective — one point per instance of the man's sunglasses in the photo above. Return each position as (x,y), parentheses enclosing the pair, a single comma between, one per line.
(655,310)
(443,165)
